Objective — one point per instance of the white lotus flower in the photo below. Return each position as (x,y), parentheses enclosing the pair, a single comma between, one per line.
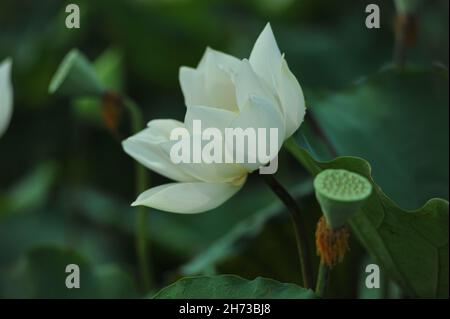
(222,92)
(6,95)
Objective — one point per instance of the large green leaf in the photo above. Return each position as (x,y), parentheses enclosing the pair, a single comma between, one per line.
(398,121)
(232,287)
(412,246)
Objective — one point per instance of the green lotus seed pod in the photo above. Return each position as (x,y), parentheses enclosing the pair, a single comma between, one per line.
(340,194)
(76,77)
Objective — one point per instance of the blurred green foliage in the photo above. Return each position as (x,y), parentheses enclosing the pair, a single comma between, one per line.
(66,184)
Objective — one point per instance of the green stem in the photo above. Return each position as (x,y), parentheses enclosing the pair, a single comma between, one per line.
(137,123)
(322,278)
(141,179)
(142,248)
(300,234)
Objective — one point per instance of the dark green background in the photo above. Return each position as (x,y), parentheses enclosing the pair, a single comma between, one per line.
(66,184)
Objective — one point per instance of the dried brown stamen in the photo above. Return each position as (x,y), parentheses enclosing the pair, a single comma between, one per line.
(331,244)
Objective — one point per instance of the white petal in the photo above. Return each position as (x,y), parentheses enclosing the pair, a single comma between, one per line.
(260,113)
(248,83)
(146,147)
(269,64)
(292,99)
(6,95)
(192,85)
(212,172)
(224,61)
(188,198)
(210,84)
(212,118)
(266,57)
(209,117)
(160,129)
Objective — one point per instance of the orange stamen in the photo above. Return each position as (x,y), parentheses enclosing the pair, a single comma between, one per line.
(331,244)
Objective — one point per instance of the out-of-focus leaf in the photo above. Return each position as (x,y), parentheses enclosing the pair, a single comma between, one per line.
(55,223)
(412,246)
(114,282)
(398,121)
(179,234)
(232,287)
(231,243)
(30,192)
(45,274)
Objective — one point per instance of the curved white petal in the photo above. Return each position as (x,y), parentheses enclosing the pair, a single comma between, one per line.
(271,66)
(259,113)
(188,198)
(214,172)
(220,60)
(160,129)
(292,100)
(146,147)
(193,86)
(209,117)
(212,118)
(265,57)
(248,83)
(209,172)
(210,84)
(6,95)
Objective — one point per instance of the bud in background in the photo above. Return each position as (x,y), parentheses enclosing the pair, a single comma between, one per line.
(94,88)
(76,77)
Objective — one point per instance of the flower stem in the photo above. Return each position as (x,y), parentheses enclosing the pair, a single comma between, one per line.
(300,234)
(141,180)
(322,278)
